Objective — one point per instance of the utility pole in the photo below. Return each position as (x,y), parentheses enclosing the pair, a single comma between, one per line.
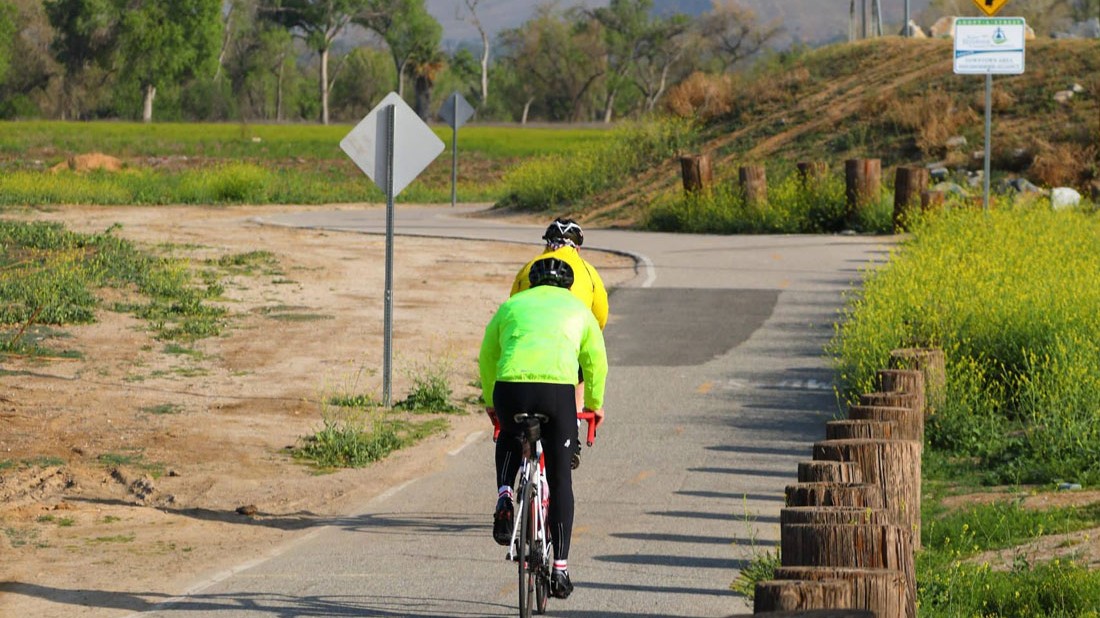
(906,30)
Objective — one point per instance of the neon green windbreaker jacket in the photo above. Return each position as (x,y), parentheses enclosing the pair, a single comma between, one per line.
(541,335)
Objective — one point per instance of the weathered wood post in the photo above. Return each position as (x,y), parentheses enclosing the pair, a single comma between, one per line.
(885,592)
(829,472)
(932,200)
(811,173)
(893,466)
(908,419)
(800,595)
(754,185)
(697,173)
(860,429)
(909,182)
(863,178)
(908,381)
(932,364)
(863,495)
(895,399)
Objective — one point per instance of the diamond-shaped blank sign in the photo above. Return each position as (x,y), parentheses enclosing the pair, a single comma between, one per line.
(455,111)
(415,145)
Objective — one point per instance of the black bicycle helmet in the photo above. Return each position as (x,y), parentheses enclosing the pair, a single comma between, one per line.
(551,271)
(564,229)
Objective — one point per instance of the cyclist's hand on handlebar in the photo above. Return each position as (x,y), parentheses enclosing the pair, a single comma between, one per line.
(492,412)
(594,418)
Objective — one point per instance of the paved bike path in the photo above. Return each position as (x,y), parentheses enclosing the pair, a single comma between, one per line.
(718,387)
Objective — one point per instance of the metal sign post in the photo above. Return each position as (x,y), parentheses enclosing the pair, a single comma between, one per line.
(392,164)
(387,310)
(988,46)
(455,111)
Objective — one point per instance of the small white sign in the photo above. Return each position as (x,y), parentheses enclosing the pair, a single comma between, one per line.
(989,45)
(415,145)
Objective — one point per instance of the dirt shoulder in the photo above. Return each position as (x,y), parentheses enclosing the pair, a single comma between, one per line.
(145,453)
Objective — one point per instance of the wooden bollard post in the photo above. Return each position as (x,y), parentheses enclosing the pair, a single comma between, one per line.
(909,182)
(893,466)
(811,173)
(754,185)
(862,178)
(860,429)
(896,399)
(697,173)
(885,592)
(909,381)
(932,200)
(792,515)
(932,364)
(910,421)
(829,472)
(801,595)
(867,546)
(865,495)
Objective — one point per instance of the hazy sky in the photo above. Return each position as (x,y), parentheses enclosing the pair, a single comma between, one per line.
(497,15)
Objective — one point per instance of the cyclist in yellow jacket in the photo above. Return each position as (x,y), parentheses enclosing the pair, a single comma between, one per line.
(564,238)
(529,358)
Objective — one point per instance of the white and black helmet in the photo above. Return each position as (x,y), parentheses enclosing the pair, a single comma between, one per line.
(564,230)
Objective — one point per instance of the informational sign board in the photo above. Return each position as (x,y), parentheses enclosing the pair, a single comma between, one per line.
(989,45)
(415,145)
(990,7)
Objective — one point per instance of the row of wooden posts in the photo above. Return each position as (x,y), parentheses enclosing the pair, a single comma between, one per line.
(862,177)
(852,521)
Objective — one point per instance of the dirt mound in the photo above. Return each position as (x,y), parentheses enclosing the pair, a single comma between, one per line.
(88,162)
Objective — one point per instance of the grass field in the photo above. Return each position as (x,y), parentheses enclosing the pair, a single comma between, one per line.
(222,163)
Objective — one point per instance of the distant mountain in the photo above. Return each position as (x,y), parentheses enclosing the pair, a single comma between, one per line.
(812,22)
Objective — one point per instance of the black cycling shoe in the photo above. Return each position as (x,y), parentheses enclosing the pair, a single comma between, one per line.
(502,521)
(560,585)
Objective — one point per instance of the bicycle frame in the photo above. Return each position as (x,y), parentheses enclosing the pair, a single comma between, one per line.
(531,547)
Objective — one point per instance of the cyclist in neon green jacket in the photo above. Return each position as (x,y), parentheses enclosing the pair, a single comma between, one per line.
(529,360)
(564,238)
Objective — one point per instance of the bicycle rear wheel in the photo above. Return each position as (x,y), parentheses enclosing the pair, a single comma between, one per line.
(528,558)
(542,579)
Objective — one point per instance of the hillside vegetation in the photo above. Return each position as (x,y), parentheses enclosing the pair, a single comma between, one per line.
(893,99)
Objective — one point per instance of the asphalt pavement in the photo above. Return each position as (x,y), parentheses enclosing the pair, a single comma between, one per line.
(718,387)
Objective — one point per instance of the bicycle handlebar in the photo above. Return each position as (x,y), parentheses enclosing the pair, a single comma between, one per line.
(593,422)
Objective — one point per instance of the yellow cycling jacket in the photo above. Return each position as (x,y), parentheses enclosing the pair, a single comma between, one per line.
(587,285)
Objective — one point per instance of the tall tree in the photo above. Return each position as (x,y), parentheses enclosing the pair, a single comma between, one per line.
(86,36)
(625,25)
(659,52)
(162,42)
(7,37)
(472,6)
(558,59)
(409,30)
(318,22)
(259,63)
(733,34)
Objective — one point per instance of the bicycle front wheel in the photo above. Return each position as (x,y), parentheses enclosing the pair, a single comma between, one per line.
(528,554)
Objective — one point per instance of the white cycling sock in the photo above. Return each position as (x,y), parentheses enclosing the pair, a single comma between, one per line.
(504,490)
(559,565)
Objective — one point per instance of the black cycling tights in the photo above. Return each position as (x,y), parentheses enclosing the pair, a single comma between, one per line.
(559,437)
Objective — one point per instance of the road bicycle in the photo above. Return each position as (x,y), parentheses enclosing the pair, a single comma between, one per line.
(531,548)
